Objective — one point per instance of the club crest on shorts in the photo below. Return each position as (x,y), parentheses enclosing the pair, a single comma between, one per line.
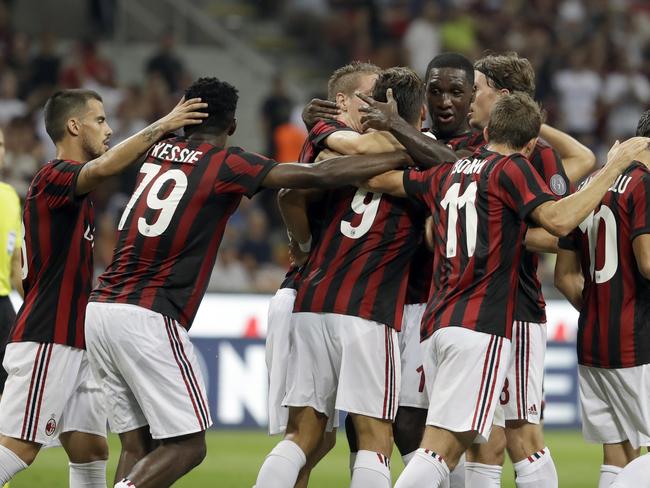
(558,185)
(50,427)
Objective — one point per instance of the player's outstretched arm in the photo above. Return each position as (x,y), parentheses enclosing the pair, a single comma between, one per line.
(334,172)
(117,159)
(538,239)
(562,216)
(427,152)
(578,160)
(568,277)
(17,272)
(641,246)
(349,142)
(391,183)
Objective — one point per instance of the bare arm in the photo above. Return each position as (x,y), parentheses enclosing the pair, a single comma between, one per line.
(540,240)
(578,160)
(293,209)
(350,142)
(569,278)
(561,217)
(427,152)
(334,172)
(641,246)
(17,272)
(117,159)
(391,183)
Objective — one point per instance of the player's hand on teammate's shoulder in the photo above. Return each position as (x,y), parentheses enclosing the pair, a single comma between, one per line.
(378,115)
(318,109)
(296,256)
(186,112)
(623,153)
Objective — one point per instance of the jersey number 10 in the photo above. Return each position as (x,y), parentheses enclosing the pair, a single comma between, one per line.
(167,205)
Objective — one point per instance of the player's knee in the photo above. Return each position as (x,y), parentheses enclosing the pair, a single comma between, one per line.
(97,451)
(408,428)
(199,452)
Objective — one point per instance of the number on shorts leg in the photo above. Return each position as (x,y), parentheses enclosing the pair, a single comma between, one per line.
(505,394)
(420,370)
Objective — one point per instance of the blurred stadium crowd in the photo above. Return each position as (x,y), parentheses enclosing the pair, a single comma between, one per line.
(592,59)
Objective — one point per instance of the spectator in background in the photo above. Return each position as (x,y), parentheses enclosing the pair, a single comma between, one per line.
(45,66)
(10,105)
(87,64)
(255,248)
(421,41)
(275,111)
(166,63)
(24,153)
(229,274)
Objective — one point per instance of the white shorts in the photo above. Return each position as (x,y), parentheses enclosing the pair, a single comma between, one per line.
(413,388)
(340,362)
(615,404)
(277,356)
(49,390)
(146,365)
(521,397)
(465,371)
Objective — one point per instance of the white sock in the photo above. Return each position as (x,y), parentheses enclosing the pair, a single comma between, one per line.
(457,476)
(281,466)
(88,475)
(635,474)
(426,470)
(537,471)
(353,459)
(10,464)
(607,475)
(406,458)
(479,475)
(371,470)
(124,484)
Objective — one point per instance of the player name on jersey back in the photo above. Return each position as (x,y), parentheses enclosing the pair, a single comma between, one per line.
(171,152)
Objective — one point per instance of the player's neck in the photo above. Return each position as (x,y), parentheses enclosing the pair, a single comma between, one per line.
(217,140)
(71,152)
(504,149)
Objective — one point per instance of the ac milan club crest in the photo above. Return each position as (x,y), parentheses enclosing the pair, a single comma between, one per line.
(50,427)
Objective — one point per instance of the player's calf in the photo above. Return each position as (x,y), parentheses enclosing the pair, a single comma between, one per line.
(484,462)
(327,444)
(136,444)
(408,430)
(88,455)
(375,441)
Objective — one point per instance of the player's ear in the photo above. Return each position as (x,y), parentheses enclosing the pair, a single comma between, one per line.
(233,127)
(342,101)
(504,91)
(73,126)
(530,147)
(486,135)
(423,113)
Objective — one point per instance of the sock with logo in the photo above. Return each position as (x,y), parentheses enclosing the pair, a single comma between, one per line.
(536,471)
(457,476)
(125,483)
(281,466)
(371,470)
(10,464)
(608,474)
(425,470)
(479,475)
(635,474)
(88,475)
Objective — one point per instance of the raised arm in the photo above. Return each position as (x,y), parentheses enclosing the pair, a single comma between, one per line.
(568,277)
(349,142)
(117,159)
(427,152)
(17,272)
(562,216)
(578,160)
(334,172)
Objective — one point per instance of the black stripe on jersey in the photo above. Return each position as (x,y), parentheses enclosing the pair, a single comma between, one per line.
(226,173)
(616,291)
(331,251)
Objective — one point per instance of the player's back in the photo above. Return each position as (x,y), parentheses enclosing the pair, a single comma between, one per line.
(170,231)
(614,325)
(478,241)
(360,264)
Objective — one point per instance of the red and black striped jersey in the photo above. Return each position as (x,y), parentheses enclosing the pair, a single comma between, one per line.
(469,141)
(311,148)
(479,206)
(360,264)
(420,275)
(531,306)
(614,324)
(170,231)
(57,258)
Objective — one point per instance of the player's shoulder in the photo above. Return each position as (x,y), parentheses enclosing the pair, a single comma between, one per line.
(638,175)
(328,126)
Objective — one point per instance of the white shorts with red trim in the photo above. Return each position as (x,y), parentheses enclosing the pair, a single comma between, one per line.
(146,365)
(521,397)
(465,371)
(277,356)
(49,390)
(340,362)
(615,404)
(413,392)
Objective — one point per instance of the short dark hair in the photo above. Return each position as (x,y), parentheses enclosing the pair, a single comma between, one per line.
(345,79)
(515,119)
(221,98)
(508,71)
(408,91)
(453,61)
(63,105)
(643,128)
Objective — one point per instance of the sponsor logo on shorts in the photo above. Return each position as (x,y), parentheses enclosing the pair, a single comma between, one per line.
(532,411)
(50,427)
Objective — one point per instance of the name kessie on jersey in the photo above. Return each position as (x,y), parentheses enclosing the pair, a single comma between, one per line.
(171,152)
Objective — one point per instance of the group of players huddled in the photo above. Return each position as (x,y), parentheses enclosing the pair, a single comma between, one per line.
(412,303)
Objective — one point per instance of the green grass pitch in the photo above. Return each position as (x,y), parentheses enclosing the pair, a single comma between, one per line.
(234,458)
